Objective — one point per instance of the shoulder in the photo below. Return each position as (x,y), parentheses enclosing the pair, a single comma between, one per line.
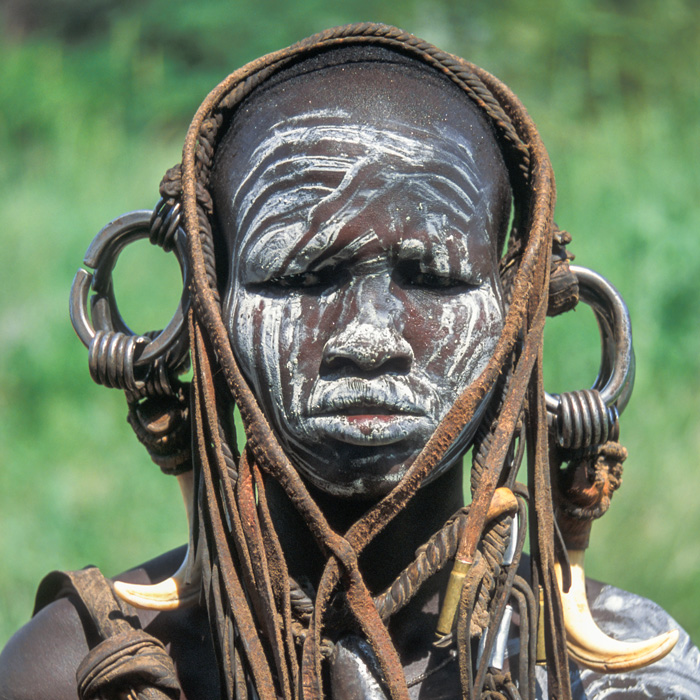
(630,617)
(41,659)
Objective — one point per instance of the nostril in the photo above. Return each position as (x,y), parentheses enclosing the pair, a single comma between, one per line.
(335,362)
(397,365)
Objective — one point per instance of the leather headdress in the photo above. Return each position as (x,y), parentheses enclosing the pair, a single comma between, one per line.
(245,576)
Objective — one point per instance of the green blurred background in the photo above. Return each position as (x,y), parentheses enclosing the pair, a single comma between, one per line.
(94,102)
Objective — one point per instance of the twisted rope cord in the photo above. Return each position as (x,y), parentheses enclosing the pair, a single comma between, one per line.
(435,554)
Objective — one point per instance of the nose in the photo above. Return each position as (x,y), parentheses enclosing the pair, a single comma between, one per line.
(367,336)
(366,347)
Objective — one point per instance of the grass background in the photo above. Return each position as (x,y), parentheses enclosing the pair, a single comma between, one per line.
(94,102)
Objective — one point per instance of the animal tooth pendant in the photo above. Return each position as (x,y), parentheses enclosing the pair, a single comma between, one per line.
(588,645)
(182,588)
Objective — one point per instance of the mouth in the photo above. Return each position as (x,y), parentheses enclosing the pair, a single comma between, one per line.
(368,424)
(361,408)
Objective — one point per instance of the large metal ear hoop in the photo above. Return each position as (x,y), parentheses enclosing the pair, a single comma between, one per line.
(589,417)
(119,357)
(141,365)
(582,422)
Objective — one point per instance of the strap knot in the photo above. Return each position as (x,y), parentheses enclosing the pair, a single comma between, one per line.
(563,284)
(132,660)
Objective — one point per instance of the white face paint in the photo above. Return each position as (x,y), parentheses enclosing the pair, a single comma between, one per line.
(364,292)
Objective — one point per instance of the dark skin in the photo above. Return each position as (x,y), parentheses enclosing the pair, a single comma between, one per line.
(41,659)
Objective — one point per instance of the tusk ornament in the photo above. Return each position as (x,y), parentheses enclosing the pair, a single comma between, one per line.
(182,589)
(588,645)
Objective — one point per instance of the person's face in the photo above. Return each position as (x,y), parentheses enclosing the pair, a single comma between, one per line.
(364,293)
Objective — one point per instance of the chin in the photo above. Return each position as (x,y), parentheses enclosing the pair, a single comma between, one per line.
(358,475)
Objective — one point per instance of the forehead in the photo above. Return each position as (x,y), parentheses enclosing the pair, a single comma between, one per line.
(344,143)
(320,188)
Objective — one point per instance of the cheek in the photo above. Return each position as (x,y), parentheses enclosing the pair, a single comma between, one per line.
(300,346)
(279,343)
(453,339)
(308,330)
(244,323)
(258,336)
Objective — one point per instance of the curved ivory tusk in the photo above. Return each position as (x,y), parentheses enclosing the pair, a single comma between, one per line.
(182,588)
(588,645)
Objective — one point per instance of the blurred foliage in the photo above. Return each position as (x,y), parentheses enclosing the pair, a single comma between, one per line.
(94,102)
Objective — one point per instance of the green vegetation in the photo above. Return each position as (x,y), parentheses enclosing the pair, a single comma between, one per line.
(93,109)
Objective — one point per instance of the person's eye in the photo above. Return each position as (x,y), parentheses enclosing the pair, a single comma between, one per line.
(434,281)
(301,280)
(411,274)
(308,280)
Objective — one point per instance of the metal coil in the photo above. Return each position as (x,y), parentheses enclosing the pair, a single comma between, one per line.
(157,382)
(165,352)
(590,417)
(583,419)
(164,224)
(111,358)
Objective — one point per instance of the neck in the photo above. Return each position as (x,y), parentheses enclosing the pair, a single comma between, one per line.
(386,556)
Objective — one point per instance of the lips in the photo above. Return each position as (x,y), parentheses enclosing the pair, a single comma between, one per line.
(359,405)
(367,429)
(367,420)
(382,395)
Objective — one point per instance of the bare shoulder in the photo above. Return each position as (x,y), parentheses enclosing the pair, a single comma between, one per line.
(41,659)
(627,616)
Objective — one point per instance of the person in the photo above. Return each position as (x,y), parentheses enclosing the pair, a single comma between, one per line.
(372,256)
